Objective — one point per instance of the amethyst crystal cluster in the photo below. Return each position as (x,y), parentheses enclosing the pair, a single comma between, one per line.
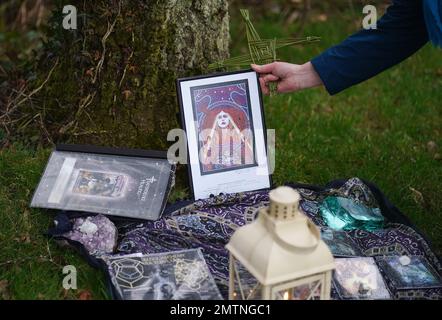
(96,233)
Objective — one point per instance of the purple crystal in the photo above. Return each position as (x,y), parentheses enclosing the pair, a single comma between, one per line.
(97,234)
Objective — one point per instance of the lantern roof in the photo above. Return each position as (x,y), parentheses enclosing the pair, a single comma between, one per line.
(282,243)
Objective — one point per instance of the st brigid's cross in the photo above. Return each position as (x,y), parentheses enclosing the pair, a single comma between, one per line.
(261,51)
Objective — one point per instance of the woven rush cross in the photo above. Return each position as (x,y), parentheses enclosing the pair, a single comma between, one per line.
(261,51)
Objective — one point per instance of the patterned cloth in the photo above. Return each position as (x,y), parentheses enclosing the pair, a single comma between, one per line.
(209,223)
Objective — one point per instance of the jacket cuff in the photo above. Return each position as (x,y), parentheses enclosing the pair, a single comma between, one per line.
(326,74)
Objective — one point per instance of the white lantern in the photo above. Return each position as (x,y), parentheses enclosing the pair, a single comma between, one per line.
(280,255)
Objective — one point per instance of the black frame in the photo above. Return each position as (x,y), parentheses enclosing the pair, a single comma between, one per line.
(85,148)
(183,122)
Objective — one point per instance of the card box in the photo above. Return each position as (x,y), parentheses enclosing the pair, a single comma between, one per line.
(118,182)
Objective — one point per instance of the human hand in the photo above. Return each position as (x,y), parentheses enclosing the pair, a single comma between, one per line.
(290,77)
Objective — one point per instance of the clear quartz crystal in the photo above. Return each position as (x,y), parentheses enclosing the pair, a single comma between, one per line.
(404,260)
(88,227)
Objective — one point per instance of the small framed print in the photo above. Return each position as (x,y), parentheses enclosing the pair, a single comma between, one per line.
(340,243)
(121,182)
(173,275)
(359,279)
(222,115)
(417,273)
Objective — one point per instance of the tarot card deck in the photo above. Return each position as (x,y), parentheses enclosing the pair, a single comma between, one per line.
(415,273)
(360,279)
(112,184)
(340,243)
(176,275)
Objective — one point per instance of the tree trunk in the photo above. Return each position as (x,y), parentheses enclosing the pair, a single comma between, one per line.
(113,79)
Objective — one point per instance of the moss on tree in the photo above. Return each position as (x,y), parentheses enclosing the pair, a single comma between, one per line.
(114,77)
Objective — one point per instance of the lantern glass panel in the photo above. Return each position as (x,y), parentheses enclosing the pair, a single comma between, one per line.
(245,285)
(308,288)
(308,291)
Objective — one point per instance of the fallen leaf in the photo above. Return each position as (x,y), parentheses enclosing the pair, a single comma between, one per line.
(322,17)
(90,72)
(417,196)
(85,295)
(127,94)
(25,238)
(431,146)
(65,294)
(5,294)
(328,109)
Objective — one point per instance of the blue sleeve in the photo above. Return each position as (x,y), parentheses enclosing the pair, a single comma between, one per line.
(399,34)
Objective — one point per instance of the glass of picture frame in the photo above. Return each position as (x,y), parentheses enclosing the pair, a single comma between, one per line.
(417,273)
(173,275)
(359,278)
(120,182)
(223,117)
(340,243)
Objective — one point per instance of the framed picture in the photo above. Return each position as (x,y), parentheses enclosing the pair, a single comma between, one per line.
(359,279)
(416,274)
(340,243)
(173,275)
(121,182)
(222,115)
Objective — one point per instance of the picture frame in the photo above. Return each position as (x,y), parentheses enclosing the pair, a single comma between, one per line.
(222,115)
(340,243)
(129,183)
(172,275)
(359,278)
(416,274)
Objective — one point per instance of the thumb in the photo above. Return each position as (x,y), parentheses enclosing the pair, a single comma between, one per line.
(266,68)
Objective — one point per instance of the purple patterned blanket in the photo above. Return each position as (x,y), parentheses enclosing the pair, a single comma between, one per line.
(208,224)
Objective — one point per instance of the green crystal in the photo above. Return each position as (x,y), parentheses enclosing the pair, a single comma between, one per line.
(345,214)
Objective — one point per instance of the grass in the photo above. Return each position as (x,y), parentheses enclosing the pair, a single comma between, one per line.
(30,263)
(378,130)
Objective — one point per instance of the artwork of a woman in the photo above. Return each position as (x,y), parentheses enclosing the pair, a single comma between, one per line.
(225,145)
(225,131)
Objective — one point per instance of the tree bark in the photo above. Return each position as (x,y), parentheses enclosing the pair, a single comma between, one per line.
(114,77)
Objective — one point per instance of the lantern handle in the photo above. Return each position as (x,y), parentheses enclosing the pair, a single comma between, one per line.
(301,233)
